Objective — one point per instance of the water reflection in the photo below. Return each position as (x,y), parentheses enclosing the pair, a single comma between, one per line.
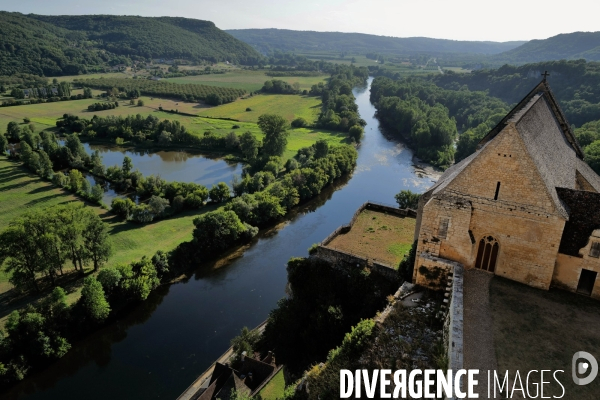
(171,165)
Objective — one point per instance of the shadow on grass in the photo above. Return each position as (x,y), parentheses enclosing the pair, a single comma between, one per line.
(13,299)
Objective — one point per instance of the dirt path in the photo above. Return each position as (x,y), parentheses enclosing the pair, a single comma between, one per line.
(479,352)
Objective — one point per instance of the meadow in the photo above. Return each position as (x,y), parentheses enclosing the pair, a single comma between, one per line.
(288,106)
(45,115)
(21,191)
(250,81)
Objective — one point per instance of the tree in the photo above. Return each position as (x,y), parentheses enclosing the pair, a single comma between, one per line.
(18,253)
(140,103)
(321,148)
(13,132)
(96,240)
(356,132)
(219,192)
(127,166)
(408,199)
(249,146)
(123,207)
(46,168)
(93,300)
(218,230)
(97,193)
(109,278)
(75,178)
(275,129)
(592,156)
(3,144)
(157,205)
(214,99)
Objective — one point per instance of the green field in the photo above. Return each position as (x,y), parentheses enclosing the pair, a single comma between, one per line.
(288,106)
(44,116)
(21,191)
(247,80)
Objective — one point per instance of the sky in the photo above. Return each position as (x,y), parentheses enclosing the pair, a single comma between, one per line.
(498,21)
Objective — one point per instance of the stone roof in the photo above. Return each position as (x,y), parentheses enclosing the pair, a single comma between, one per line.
(548,140)
(547,145)
(588,173)
(541,89)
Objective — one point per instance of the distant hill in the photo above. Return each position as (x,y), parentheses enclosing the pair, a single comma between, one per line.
(267,40)
(570,46)
(65,45)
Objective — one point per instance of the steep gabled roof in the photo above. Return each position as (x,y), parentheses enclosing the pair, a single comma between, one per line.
(542,89)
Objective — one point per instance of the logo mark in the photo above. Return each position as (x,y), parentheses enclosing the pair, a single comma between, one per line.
(581,367)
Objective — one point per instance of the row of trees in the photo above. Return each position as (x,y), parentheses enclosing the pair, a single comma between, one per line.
(42,242)
(43,332)
(109,105)
(262,200)
(339,110)
(63,89)
(193,92)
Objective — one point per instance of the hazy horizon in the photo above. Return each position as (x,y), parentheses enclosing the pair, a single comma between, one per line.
(459,20)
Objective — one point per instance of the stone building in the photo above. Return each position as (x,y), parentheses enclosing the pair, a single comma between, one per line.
(524,206)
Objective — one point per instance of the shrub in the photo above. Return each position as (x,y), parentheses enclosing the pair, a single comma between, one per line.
(299,122)
(248,109)
(356,132)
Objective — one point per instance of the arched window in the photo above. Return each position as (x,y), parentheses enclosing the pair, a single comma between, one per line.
(487,254)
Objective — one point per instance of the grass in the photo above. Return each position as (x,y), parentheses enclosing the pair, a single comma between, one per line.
(44,116)
(250,81)
(378,236)
(288,106)
(274,389)
(21,191)
(536,329)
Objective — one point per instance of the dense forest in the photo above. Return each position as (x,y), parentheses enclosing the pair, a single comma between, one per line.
(70,45)
(575,83)
(269,40)
(429,115)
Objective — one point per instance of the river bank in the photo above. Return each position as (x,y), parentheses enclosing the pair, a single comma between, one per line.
(167,341)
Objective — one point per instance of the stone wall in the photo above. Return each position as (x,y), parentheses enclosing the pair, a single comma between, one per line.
(584,217)
(523,218)
(453,324)
(433,272)
(568,268)
(345,259)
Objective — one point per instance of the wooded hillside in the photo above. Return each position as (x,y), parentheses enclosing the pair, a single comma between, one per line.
(269,40)
(68,45)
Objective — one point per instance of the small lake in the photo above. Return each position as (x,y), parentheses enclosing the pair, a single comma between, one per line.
(162,345)
(171,165)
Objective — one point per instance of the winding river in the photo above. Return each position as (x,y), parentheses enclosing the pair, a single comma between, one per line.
(162,345)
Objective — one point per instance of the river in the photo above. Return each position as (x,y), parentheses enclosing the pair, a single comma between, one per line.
(162,345)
